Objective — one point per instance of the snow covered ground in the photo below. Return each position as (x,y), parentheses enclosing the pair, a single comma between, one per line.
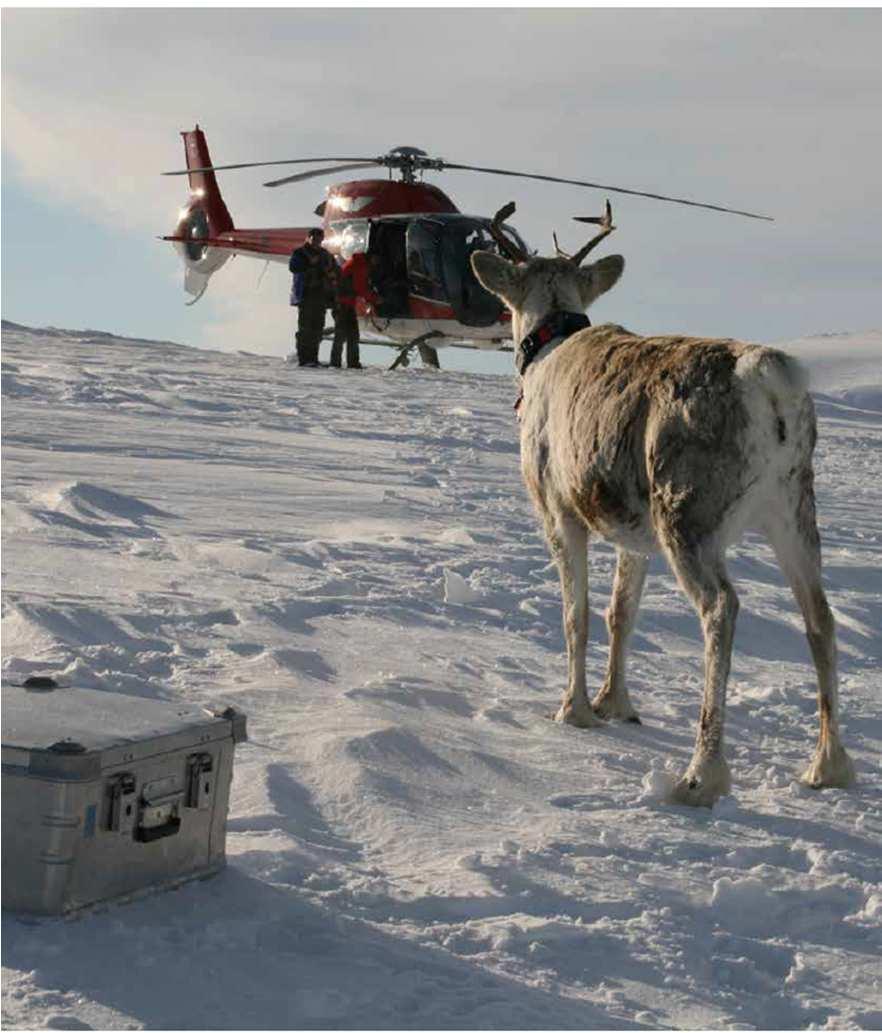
(351,558)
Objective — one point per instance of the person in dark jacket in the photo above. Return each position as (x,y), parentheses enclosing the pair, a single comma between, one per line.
(353,282)
(312,291)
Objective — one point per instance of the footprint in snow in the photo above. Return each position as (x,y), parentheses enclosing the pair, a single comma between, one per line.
(573,802)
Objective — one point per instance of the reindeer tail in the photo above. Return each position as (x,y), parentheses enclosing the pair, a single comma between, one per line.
(778,373)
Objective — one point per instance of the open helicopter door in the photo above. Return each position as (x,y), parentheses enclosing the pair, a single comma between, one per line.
(439,270)
(386,241)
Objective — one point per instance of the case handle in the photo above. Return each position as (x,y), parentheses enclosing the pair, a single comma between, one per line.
(154,832)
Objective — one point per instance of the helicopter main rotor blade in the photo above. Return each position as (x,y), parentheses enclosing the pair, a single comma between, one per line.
(300,176)
(258,164)
(602,186)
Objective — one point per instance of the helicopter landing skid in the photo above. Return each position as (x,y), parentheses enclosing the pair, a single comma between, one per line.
(428,354)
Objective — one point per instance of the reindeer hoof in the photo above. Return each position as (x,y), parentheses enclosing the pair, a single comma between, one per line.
(703,785)
(578,716)
(691,793)
(612,709)
(830,769)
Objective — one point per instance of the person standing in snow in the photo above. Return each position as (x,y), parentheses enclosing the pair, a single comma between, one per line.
(353,282)
(312,290)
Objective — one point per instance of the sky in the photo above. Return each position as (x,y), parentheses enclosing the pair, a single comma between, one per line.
(774,111)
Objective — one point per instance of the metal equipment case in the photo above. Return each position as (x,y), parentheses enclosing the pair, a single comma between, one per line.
(107,795)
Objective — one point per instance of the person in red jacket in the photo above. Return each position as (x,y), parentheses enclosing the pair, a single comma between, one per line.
(353,282)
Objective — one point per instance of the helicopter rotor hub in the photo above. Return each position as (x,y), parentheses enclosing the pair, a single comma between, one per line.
(410,162)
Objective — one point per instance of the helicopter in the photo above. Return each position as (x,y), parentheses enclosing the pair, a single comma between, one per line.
(430,296)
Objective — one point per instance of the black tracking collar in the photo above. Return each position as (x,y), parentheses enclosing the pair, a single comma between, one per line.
(558,324)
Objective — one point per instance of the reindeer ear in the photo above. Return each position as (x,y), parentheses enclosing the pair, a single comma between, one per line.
(498,275)
(609,270)
(600,276)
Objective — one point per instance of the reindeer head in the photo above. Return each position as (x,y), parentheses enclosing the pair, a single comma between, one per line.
(533,288)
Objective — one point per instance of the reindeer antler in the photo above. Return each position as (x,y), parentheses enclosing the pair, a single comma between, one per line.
(606,227)
(506,245)
(557,248)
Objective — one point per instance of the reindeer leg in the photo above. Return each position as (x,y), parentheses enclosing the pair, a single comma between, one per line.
(798,550)
(569,546)
(613,701)
(704,579)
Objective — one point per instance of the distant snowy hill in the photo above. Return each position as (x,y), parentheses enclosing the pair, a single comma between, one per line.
(845,367)
(352,559)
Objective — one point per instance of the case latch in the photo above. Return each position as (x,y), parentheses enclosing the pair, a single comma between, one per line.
(199,780)
(122,812)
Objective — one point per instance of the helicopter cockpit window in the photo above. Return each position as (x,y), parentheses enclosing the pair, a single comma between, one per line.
(347,238)
(513,235)
(478,239)
(473,305)
(424,260)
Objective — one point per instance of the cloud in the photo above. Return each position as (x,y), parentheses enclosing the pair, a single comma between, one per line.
(246,309)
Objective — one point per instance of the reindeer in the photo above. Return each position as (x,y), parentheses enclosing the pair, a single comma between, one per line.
(671,444)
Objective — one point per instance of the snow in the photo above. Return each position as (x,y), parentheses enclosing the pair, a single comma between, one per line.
(352,560)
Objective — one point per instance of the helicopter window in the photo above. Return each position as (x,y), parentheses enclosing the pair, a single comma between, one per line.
(424,260)
(439,267)
(478,239)
(517,238)
(484,242)
(473,305)
(347,238)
